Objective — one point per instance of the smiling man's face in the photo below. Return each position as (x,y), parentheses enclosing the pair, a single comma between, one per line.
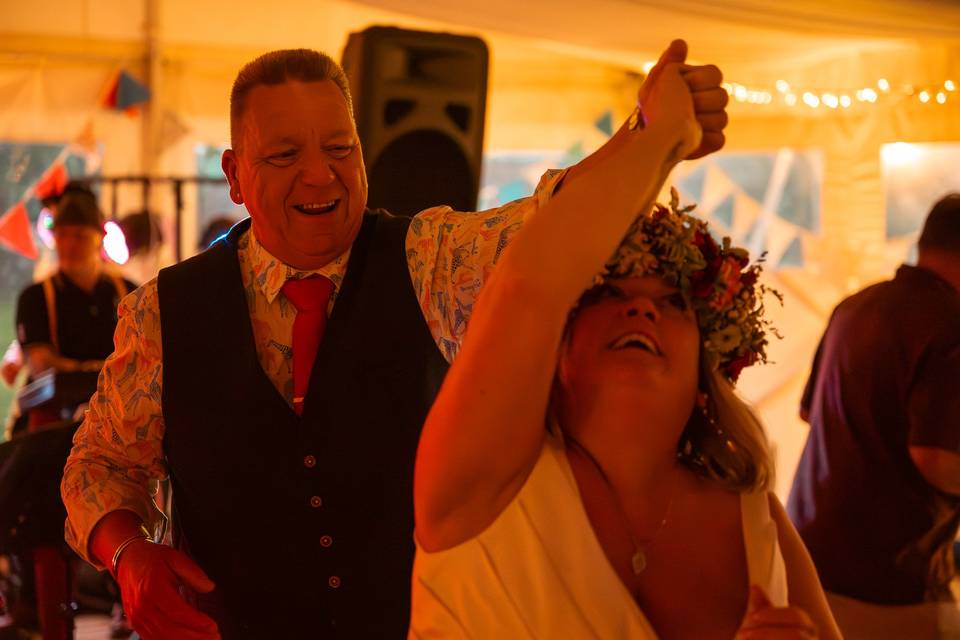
(299,171)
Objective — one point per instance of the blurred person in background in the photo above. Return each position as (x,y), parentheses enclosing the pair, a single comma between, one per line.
(65,325)
(876,496)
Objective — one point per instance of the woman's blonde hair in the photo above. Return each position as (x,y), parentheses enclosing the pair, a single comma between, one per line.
(724,440)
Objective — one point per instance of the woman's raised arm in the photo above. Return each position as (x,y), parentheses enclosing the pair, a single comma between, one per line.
(486,428)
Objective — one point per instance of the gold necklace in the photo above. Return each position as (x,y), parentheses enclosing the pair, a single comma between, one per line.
(638,561)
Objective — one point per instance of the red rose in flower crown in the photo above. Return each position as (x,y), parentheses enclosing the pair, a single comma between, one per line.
(738,364)
(727,283)
(717,278)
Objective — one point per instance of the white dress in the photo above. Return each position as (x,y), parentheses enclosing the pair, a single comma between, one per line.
(539,572)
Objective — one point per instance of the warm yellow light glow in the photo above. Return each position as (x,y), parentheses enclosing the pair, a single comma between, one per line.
(743,93)
(899,154)
(647,66)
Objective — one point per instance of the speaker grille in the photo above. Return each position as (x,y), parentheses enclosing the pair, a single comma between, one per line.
(420,103)
(421,169)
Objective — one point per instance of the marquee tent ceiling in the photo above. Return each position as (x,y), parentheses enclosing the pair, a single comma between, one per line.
(742,34)
(820,42)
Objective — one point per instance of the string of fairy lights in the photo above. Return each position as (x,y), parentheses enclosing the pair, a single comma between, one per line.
(787,95)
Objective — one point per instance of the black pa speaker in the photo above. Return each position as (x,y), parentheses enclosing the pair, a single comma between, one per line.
(419,99)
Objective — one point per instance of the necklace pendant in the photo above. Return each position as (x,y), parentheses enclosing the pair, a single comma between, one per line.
(639,562)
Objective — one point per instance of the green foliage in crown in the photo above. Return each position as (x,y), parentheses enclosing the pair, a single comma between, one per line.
(717,279)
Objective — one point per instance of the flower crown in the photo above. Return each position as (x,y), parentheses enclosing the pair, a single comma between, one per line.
(718,280)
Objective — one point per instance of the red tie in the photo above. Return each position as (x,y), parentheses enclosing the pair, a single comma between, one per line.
(310,296)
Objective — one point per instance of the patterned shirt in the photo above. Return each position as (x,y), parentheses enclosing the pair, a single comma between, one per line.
(118,457)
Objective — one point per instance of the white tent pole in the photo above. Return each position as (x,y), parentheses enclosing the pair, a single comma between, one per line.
(151,146)
(151,121)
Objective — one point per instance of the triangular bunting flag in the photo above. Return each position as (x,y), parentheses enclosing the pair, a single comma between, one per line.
(52,182)
(86,139)
(723,213)
(692,182)
(172,130)
(110,99)
(130,92)
(778,237)
(745,213)
(716,187)
(751,172)
(793,256)
(574,154)
(605,123)
(15,232)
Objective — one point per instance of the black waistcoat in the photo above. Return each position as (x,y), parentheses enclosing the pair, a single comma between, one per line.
(304,523)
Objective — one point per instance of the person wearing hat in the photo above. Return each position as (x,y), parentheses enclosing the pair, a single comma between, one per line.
(65,323)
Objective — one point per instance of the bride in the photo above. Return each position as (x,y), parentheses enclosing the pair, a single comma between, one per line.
(642,510)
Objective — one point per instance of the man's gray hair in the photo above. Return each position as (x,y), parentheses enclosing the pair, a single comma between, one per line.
(277,67)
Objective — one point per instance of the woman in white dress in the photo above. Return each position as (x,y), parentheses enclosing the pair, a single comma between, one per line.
(642,510)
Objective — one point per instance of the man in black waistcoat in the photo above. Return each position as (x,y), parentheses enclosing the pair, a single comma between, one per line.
(292,495)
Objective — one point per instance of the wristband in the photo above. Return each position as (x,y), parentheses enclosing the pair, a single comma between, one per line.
(636,119)
(143,534)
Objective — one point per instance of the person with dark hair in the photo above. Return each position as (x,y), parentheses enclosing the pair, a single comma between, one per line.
(876,496)
(216,229)
(280,379)
(65,323)
(13,361)
(74,187)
